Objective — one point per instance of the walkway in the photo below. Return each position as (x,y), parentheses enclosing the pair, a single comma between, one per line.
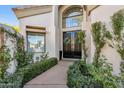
(56,77)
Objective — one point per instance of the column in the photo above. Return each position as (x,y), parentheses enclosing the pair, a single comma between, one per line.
(87,28)
(55,32)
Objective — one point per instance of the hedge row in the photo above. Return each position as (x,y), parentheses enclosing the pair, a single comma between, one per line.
(25,74)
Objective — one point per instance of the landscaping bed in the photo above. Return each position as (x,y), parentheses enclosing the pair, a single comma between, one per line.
(99,72)
(82,75)
(25,74)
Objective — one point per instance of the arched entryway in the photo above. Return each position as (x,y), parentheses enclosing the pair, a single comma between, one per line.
(72,18)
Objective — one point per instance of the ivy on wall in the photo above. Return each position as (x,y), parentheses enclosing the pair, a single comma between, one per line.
(118,34)
(5,58)
(117,41)
(99,73)
(81,39)
(16,28)
(100,35)
(118,24)
(23,57)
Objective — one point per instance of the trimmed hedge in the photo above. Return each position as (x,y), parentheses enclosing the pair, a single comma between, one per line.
(25,74)
(36,69)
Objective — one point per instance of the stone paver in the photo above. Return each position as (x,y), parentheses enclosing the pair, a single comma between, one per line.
(56,77)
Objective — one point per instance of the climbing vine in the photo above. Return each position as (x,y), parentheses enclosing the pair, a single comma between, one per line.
(118,34)
(99,74)
(100,35)
(5,58)
(118,24)
(81,39)
(23,57)
(117,41)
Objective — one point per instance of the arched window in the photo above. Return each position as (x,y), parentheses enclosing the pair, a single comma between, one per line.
(73,17)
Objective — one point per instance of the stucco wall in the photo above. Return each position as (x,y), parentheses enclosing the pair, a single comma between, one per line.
(42,20)
(103,13)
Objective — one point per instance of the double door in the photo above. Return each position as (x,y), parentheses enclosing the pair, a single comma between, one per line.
(71,46)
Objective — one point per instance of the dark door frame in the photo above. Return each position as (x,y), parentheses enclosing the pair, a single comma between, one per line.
(71,57)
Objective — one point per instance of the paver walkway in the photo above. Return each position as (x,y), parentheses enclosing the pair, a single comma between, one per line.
(56,77)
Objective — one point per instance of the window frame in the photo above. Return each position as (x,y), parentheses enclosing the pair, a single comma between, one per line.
(64,17)
(27,33)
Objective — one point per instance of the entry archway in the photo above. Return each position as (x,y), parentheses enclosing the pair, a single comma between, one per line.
(72,18)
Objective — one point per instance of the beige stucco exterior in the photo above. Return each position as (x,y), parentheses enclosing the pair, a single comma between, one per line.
(103,13)
(50,17)
(44,20)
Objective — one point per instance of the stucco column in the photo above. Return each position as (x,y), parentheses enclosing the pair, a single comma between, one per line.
(55,31)
(87,28)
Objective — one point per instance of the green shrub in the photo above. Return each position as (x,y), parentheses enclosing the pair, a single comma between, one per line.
(27,73)
(90,76)
(31,71)
(13,81)
(74,76)
(23,57)
(5,58)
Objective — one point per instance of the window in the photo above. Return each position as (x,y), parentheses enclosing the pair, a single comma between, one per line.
(36,42)
(73,17)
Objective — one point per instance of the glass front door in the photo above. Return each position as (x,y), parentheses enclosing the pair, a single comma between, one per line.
(71,46)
